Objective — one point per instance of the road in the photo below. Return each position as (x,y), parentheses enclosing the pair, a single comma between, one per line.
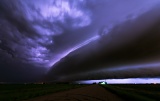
(88,93)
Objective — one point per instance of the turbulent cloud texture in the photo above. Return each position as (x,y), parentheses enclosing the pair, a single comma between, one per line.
(29,27)
(59,39)
(128,49)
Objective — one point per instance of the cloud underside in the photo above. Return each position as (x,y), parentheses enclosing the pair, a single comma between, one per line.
(34,33)
(78,39)
(130,49)
(29,28)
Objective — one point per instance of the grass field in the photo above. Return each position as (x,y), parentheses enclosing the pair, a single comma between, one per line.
(136,92)
(19,92)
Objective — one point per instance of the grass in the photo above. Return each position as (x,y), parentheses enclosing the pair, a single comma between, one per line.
(19,92)
(146,92)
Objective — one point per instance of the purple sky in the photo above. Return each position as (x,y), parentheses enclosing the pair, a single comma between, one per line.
(78,39)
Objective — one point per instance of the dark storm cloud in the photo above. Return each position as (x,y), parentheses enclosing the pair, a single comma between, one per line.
(128,49)
(36,35)
(31,27)
(13,70)
(12,13)
(16,30)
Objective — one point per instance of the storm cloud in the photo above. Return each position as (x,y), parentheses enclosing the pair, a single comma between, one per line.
(129,49)
(63,39)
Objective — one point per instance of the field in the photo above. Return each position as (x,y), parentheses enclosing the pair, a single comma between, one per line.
(19,92)
(136,92)
(129,92)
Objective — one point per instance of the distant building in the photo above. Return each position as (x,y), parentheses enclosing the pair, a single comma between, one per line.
(102,83)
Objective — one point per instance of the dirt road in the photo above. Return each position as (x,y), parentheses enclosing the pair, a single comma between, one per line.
(89,93)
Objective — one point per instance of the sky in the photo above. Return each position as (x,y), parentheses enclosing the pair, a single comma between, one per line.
(123,81)
(70,40)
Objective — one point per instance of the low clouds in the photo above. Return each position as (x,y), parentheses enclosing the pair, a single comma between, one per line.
(29,30)
(129,49)
(30,26)
(37,36)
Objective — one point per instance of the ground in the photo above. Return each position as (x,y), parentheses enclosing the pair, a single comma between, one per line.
(88,93)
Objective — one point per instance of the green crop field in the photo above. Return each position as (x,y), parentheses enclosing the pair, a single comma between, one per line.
(136,92)
(19,92)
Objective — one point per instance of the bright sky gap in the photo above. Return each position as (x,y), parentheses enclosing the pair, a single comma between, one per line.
(124,81)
